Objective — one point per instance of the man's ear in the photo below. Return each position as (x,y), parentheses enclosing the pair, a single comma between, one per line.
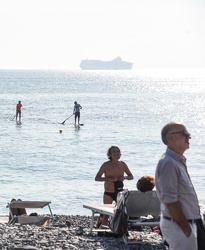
(169,137)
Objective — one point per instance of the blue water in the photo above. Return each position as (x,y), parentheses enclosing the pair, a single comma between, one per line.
(123,108)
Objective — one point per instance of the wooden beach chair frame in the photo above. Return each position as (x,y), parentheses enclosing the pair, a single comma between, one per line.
(37,220)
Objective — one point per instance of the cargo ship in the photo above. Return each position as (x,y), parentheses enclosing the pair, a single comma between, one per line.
(115,64)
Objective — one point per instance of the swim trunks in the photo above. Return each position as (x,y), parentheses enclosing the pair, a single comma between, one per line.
(112,195)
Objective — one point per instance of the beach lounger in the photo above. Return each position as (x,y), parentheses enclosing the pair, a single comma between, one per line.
(142,204)
(143,209)
(139,205)
(27,219)
(99,209)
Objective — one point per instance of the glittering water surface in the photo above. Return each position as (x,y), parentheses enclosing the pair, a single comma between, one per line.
(127,109)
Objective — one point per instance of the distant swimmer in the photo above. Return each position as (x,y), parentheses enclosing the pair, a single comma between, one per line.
(76,111)
(18,110)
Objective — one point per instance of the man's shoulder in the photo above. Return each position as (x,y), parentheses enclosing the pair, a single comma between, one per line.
(166,158)
(106,164)
(123,163)
(167,163)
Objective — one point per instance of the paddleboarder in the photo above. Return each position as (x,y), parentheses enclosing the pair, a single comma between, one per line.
(18,110)
(76,111)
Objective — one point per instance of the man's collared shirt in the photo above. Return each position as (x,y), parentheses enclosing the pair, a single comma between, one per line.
(174,184)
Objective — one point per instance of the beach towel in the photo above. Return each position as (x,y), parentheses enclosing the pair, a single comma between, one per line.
(118,224)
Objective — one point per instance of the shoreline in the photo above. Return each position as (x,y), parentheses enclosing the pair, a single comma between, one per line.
(71,232)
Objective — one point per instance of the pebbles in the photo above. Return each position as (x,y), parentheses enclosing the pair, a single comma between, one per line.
(71,232)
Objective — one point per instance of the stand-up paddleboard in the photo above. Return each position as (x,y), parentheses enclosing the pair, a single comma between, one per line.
(18,123)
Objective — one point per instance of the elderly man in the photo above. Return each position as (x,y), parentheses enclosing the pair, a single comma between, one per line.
(180,223)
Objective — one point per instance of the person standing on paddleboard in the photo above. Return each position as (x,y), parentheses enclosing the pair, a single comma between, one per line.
(18,110)
(76,111)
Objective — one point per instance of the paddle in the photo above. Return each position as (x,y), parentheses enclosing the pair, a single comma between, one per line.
(13,117)
(66,119)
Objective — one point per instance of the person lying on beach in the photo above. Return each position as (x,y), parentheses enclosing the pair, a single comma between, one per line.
(22,212)
(17,211)
(112,173)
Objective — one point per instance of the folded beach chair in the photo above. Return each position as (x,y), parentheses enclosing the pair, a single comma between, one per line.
(29,219)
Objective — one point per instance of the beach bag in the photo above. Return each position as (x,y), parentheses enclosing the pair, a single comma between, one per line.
(118,223)
(118,186)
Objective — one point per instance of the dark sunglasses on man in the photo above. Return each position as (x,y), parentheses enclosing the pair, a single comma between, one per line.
(185,133)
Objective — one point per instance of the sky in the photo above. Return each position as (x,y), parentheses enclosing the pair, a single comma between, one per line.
(58,34)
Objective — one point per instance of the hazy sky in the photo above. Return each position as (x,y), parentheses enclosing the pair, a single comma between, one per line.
(57,34)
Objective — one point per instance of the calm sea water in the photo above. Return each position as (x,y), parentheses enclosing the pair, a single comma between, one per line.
(127,109)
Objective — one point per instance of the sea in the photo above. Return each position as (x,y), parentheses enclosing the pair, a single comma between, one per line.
(42,159)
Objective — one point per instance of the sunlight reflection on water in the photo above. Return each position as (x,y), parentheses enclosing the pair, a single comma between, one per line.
(127,109)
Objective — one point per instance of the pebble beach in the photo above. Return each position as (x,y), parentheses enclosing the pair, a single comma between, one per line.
(71,232)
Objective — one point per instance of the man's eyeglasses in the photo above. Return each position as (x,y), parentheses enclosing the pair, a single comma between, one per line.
(184,133)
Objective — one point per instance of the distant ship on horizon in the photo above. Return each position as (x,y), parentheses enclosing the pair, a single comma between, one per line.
(115,64)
